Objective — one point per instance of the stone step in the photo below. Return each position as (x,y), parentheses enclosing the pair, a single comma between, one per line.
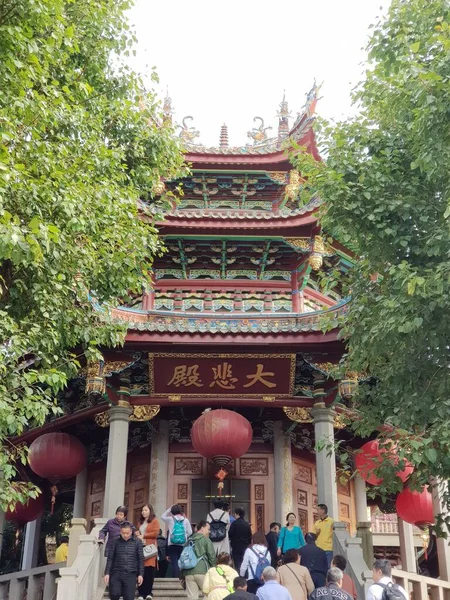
(164,589)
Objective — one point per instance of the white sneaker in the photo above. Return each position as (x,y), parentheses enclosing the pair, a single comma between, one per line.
(149,597)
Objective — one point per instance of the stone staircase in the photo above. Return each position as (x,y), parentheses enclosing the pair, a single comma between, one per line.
(164,589)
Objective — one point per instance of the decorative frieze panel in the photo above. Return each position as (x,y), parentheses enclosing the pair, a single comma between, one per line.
(302,497)
(182,491)
(259,491)
(303,519)
(138,473)
(257,466)
(344,510)
(188,466)
(96,509)
(98,484)
(259,514)
(343,488)
(303,473)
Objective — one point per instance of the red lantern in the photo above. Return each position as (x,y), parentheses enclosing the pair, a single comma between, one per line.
(370,457)
(221,435)
(25,513)
(415,507)
(57,456)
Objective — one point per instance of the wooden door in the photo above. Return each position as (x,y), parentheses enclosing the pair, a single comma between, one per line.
(304,492)
(137,485)
(95,494)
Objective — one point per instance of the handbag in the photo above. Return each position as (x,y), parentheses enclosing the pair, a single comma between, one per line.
(150,551)
(300,583)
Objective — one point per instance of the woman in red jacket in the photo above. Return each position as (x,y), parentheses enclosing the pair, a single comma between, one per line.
(148,531)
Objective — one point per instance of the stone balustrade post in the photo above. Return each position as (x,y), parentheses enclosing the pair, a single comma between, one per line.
(443,548)
(78,528)
(363,524)
(407,548)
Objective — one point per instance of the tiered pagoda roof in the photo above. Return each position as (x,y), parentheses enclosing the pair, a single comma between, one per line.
(240,245)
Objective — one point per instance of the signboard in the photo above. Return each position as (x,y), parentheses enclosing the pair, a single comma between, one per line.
(221,374)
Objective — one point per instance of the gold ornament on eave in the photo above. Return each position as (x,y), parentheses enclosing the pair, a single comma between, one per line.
(158,188)
(299,414)
(348,385)
(141,413)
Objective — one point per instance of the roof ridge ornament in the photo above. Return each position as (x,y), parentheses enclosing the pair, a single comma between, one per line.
(283,115)
(223,140)
(167,108)
(258,134)
(312,98)
(188,134)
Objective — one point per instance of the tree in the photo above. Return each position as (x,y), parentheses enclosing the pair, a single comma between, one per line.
(82,143)
(385,186)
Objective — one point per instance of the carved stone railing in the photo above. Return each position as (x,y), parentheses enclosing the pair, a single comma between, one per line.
(419,587)
(84,579)
(352,549)
(33,584)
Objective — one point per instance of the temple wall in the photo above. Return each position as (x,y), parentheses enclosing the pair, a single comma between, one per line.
(250,484)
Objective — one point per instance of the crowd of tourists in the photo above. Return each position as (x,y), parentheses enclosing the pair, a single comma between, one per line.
(223,560)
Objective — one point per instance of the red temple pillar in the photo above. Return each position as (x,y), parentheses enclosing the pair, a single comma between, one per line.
(148,295)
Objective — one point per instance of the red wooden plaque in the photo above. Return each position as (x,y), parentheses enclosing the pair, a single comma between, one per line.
(222,374)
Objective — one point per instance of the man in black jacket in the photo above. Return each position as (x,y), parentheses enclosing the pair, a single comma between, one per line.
(240,535)
(272,542)
(125,564)
(314,559)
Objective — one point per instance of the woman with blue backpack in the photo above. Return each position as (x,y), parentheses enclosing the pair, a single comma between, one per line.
(179,531)
(256,559)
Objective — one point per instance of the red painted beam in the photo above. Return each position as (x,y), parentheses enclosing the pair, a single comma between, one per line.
(214,284)
(220,401)
(297,340)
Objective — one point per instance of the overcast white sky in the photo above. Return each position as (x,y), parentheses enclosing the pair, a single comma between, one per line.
(227,62)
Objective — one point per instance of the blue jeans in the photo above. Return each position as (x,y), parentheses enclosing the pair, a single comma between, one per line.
(329,554)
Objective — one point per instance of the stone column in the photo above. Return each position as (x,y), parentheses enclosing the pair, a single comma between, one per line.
(79,503)
(325,458)
(159,469)
(283,472)
(31,545)
(407,549)
(443,548)
(363,524)
(116,464)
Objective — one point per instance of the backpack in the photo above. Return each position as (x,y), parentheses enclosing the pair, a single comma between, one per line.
(178,535)
(262,563)
(218,529)
(188,558)
(391,591)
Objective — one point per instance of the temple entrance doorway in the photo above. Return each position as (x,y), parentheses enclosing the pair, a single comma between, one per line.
(204,491)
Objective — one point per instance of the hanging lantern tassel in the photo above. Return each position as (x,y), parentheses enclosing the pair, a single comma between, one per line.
(425,541)
(221,474)
(54,491)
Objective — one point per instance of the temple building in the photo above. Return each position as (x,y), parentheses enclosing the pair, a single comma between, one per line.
(234,320)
